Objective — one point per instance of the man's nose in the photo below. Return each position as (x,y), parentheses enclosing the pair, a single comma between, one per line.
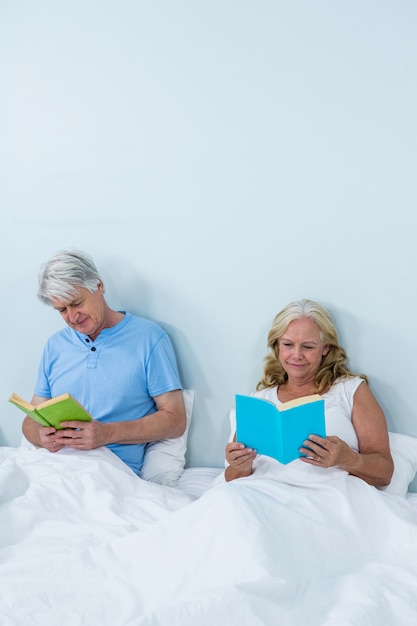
(72,316)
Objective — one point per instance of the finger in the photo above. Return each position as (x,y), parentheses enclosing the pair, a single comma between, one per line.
(321,441)
(313,459)
(239,459)
(237,446)
(46,433)
(233,448)
(72,424)
(310,449)
(71,431)
(316,446)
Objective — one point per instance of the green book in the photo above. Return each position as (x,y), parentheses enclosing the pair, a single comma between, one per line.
(279,430)
(54,411)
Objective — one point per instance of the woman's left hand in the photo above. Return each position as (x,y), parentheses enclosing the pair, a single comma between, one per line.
(327,452)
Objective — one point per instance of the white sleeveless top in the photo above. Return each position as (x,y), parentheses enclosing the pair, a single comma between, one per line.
(338,404)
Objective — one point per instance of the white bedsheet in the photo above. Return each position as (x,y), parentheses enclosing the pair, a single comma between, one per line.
(85,542)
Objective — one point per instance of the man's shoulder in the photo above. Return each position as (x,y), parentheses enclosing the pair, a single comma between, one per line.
(144,323)
(144,328)
(64,334)
(60,341)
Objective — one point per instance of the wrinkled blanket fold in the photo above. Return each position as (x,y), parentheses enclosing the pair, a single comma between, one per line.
(85,541)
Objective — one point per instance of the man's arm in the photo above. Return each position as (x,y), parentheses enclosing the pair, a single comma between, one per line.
(168,421)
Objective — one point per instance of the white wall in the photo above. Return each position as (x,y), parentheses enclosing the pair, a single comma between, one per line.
(218,159)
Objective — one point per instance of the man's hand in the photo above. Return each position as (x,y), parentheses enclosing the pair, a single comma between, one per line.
(83,435)
(47,438)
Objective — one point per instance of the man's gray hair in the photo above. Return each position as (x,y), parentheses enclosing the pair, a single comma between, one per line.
(64,272)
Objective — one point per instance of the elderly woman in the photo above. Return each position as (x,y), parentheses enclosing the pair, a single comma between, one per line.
(305,358)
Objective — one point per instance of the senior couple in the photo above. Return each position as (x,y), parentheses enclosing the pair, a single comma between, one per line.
(122,369)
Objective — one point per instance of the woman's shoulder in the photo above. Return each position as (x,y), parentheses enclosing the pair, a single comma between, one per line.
(347,385)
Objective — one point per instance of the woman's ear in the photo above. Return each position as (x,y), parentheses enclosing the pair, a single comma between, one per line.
(325,349)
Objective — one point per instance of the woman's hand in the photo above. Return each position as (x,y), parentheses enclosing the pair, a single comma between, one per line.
(327,452)
(240,460)
(373,463)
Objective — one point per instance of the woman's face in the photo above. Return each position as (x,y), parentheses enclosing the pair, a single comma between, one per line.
(301,350)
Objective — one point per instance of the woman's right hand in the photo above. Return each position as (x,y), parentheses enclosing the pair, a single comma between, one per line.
(240,460)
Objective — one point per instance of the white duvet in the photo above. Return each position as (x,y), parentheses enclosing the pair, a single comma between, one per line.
(85,542)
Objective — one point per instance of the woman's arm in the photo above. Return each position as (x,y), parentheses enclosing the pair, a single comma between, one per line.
(373,463)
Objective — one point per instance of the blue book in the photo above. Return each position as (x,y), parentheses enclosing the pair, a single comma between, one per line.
(279,430)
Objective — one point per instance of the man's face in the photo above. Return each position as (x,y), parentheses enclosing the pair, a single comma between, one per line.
(85,312)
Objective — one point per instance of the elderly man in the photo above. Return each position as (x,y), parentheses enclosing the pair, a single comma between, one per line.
(120,367)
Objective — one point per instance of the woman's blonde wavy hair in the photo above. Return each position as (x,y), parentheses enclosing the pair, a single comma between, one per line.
(334,363)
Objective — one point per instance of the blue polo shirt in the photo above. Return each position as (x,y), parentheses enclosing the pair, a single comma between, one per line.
(114,377)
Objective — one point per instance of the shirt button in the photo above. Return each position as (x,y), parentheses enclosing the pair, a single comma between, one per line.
(93,349)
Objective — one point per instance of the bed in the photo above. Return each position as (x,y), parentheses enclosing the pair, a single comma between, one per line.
(85,541)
